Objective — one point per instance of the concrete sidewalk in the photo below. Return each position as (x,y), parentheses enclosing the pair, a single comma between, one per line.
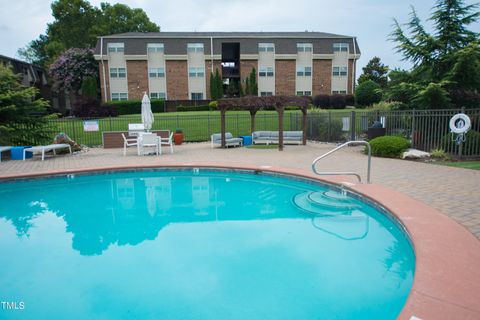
(453,191)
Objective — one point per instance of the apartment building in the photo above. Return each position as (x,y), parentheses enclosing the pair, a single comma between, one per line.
(177,65)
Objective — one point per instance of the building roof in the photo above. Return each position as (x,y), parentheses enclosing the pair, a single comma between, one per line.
(304,34)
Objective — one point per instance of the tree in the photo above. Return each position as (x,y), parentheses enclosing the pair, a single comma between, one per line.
(218,84)
(77,24)
(213,87)
(21,114)
(368,93)
(72,67)
(434,96)
(247,86)
(437,55)
(90,87)
(375,71)
(253,83)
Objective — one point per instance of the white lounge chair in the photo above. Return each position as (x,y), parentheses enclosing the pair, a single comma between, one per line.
(128,142)
(168,141)
(2,149)
(148,141)
(43,149)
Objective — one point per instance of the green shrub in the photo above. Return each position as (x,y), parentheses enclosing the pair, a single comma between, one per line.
(193,108)
(439,154)
(135,106)
(389,146)
(368,93)
(321,101)
(338,101)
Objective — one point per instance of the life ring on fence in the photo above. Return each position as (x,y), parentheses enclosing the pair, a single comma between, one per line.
(460,123)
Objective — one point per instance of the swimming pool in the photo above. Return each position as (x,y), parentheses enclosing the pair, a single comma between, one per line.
(198,244)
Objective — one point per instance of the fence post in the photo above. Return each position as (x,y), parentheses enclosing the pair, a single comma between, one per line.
(352,126)
(413,129)
(110,118)
(208,124)
(73,129)
(460,146)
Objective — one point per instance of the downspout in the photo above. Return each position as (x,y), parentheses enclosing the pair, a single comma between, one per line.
(103,70)
(354,64)
(211,52)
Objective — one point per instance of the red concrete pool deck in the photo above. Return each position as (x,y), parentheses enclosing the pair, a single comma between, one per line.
(447,275)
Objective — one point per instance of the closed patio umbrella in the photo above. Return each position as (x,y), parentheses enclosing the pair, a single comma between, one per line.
(147,115)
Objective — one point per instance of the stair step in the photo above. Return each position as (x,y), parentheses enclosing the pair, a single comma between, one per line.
(329,201)
(328,207)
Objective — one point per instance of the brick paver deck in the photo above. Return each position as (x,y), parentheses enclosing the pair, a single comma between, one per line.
(453,191)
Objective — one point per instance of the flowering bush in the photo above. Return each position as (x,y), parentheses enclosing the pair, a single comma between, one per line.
(72,67)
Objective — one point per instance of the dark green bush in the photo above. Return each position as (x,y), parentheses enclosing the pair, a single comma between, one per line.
(389,146)
(194,108)
(88,107)
(338,101)
(350,99)
(321,101)
(135,106)
(368,93)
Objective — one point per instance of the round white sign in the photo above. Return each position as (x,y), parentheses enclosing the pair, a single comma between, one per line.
(460,123)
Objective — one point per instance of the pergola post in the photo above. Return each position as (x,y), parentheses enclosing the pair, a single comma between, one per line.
(222,125)
(304,125)
(253,112)
(280,110)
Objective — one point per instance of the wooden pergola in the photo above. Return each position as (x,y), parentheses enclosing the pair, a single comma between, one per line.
(253,104)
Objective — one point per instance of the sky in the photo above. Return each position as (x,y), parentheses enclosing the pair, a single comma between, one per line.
(369,20)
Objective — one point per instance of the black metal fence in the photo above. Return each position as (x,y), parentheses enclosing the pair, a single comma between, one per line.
(426,129)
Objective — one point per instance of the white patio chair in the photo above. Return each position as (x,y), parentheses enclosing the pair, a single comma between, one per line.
(128,142)
(147,141)
(168,141)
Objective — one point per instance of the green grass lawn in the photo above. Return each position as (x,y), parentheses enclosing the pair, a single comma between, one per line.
(475,165)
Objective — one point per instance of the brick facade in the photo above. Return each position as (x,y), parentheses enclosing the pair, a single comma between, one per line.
(285,77)
(321,77)
(246,67)
(177,80)
(107,81)
(208,68)
(137,77)
(350,71)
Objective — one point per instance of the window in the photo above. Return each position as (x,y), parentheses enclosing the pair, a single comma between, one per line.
(266,94)
(154,47)
(340,47)
(266,47)
(157,95)
(117,73)
(115,47)
(156,72)
(339,92)
(304,47)
(265,72)
(304,93)
(197,95)
(119,96)
(195,47)
(304,71)
(196,72)
(339,71)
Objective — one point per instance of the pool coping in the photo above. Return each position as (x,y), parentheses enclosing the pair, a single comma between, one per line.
(447,274)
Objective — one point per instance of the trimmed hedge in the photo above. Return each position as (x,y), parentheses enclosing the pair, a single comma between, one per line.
(334,101)
(389,146)
(195,108)
(135,106)
(88,107)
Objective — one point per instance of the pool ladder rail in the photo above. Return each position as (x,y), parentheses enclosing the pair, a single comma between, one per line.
(346,173)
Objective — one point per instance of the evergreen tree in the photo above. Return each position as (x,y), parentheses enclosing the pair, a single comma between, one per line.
(247,87)
(213,87)
(375,71)
(218,84)
(253,83)
(21,119)
(438,57)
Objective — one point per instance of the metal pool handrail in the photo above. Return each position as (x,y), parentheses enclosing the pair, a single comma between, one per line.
(327,173)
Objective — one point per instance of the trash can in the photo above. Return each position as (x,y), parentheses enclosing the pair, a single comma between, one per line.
(376,130)
(247,140)
(17,153)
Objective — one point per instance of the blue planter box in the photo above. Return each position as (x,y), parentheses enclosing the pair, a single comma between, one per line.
(17,153)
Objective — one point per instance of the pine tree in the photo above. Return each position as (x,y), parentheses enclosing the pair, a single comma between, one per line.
(218,84)
(21,119)
(253,82)
(213,87)
(375,71)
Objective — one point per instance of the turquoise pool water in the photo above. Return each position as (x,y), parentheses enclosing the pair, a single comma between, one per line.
(196,245)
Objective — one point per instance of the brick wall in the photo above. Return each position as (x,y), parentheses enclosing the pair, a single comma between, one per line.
(107,81)
(321,77)
(285,77)
(137,77)
(208,68)
(177,80)
(246,67)
(350,71)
